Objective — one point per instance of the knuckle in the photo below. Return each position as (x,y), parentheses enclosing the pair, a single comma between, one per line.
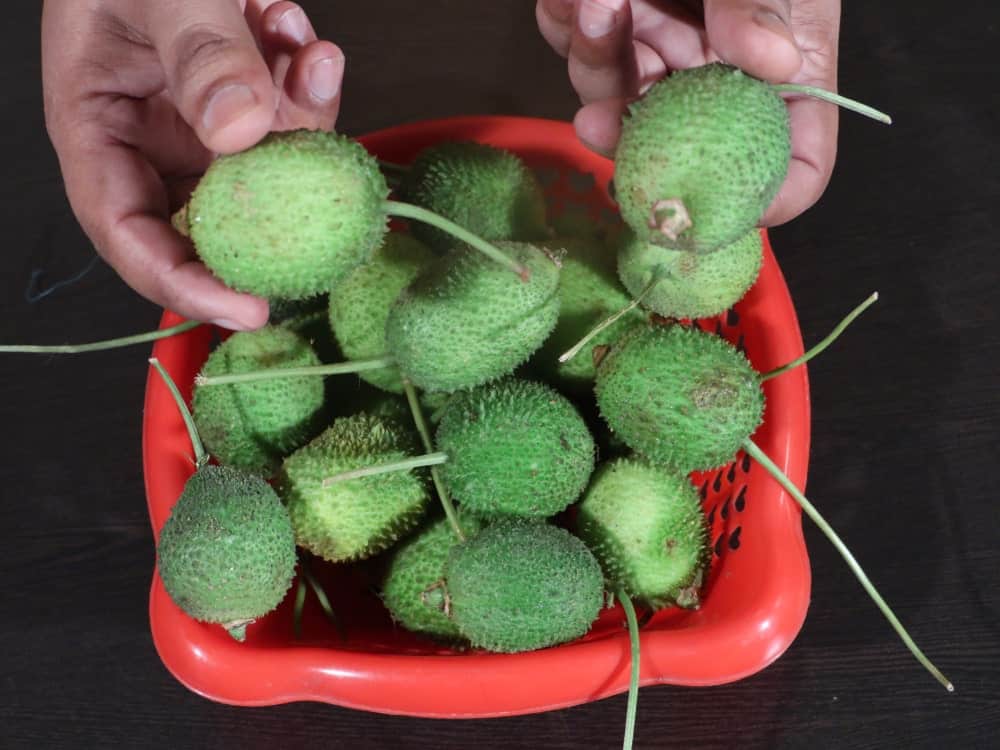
(200,52)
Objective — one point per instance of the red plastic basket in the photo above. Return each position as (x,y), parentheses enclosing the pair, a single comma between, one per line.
(757,590)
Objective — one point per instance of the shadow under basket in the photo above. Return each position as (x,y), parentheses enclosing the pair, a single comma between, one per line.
(757,590)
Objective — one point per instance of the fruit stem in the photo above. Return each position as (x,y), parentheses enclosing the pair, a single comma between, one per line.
(340,368)
(392,167)
(138,338)
(840,101)
(833,335)
(321,597)
(755,452)
(409,211)
(633,683)
(609,321)
(200,456)
(300,600)
(430,459)
(425,437)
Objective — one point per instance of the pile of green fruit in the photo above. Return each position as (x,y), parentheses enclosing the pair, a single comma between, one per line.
(502,514)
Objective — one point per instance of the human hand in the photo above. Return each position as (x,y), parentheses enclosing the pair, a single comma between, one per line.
(140,95)
(618,48)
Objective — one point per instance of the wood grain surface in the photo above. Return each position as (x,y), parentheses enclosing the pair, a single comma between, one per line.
(906,410)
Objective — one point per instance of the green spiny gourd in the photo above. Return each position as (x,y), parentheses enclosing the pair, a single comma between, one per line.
(679,396)
(466,320)
(520,585)
(646,526)
(360,304)
(226,554)
(514,447)
(691,285)
(290,216)
(701,156)
(252,426)
(487,190)
(589,291)
(413,587)
(353,519)
(308,317)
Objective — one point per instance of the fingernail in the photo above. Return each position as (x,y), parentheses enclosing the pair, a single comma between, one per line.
(293,24)
(228,104)
(324,78)
(597,17)
(228,324)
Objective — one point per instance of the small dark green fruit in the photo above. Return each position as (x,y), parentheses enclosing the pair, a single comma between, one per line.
(252,426)
(646,526)
(679,396)
(520,585)
(227,552)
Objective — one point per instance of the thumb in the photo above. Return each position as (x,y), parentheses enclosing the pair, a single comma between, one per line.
(215,73)
(754,35)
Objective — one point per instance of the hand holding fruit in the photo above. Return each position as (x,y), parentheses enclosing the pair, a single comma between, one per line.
(616,49)
(139,96)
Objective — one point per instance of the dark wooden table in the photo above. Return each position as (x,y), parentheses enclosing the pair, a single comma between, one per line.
(905,413)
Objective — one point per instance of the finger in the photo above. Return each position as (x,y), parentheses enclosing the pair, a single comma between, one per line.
(122,205)
(283,29)
(215,72)
(311,95)
(555,21)
(754,35)
(675,33)
(599,125)
(602,60)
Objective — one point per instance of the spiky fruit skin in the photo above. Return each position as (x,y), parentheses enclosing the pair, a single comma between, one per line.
(679,396)
(692,285)
(646,527)
(466,319)
(353,519)
(520,585)
(227,552)
(589,292)
(359,305)
(413,588)
(253,426)
(712,137)
(515,448)
(290,216)
(484,189)
(309,318)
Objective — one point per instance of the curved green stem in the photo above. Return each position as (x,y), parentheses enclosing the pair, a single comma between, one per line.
(633,684)
(340,368)
(425,437)
(200,456)
(840,101)
(300,601)
(611,320)
(139,338)
(409,211)
(757,454)
(833,335)
(430,459)
(321,597)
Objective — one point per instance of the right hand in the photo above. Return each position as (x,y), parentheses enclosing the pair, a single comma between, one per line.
(140,95)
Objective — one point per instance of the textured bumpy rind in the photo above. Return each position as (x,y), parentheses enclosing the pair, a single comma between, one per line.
(646,526)
(226,553)
(514,448)
(712,137)
(466,319)
(692,285)
(679,396)
(290,216)
(589,292)
(356,518)
(253,426)
(413,587)
(484,189)
(359,306)
(520,585)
